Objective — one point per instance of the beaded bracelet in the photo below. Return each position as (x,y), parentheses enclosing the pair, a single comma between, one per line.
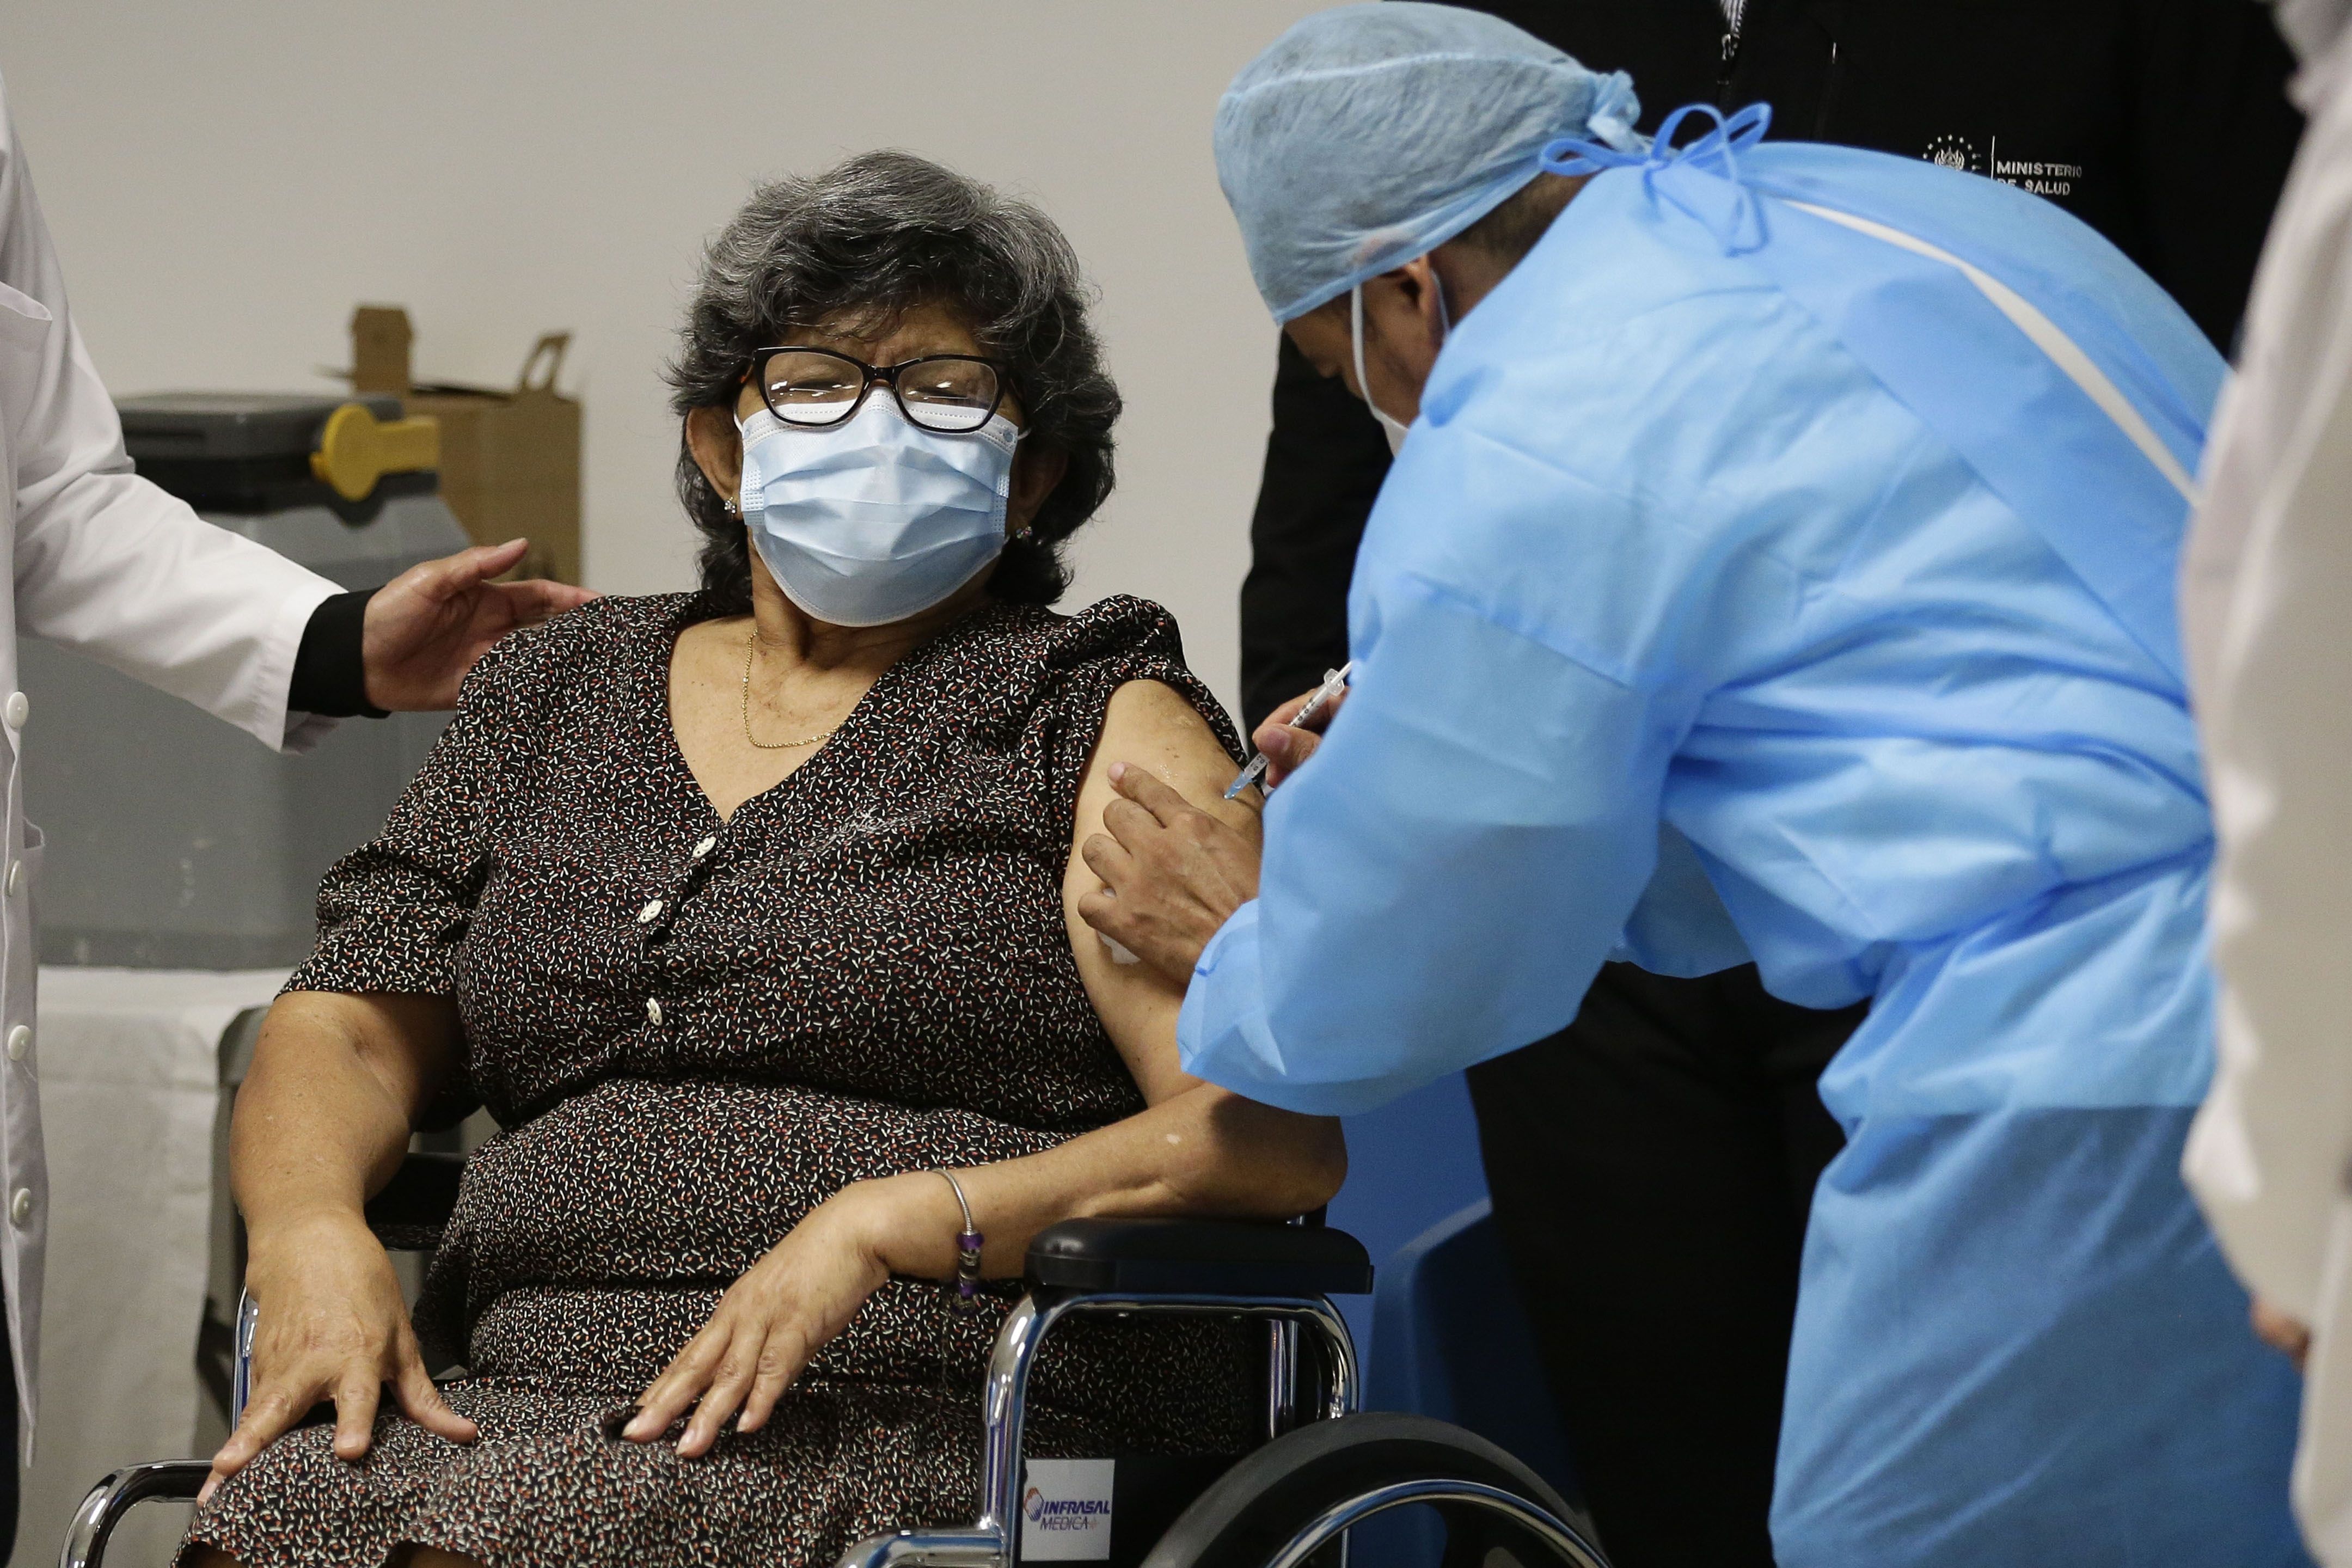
(968,1244)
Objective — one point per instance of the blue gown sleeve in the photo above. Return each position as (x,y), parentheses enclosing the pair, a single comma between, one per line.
(1681,927)
(1443,881)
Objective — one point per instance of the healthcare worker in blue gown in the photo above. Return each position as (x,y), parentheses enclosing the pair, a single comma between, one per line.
(1780,563)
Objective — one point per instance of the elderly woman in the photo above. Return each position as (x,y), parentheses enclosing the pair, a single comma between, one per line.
(749,913)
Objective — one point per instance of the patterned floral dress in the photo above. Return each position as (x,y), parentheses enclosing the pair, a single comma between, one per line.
(691,1032)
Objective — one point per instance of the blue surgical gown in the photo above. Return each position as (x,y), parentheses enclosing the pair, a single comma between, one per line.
(1779,595)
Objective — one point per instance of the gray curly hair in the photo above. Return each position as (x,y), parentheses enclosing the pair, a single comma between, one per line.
(873,237)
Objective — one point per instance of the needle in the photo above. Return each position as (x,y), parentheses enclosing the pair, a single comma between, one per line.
(1335,682)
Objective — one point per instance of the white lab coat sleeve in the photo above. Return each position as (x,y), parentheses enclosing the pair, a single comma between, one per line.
(105,563)
(1443,879)
(2270,1152)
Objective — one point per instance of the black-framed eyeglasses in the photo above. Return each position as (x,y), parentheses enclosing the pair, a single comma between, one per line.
(816,388)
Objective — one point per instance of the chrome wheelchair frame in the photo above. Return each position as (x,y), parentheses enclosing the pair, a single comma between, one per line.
(1305,1489)
(992,1539)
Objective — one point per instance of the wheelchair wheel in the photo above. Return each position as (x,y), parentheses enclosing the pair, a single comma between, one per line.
(1286,1504)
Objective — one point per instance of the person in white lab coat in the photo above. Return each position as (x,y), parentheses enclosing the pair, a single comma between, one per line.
(105,563)
(2266,582)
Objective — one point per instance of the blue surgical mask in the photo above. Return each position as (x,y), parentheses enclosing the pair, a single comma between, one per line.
(873,520)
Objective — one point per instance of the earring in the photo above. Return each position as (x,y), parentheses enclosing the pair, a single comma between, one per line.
(732,510)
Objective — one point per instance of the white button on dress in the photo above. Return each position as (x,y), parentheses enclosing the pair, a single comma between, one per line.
(706,847)
(20,1040)
(17,709)
(653,1010)
(650,913)
(20,1208)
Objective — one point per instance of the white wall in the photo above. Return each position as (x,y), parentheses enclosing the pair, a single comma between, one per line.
(225,181)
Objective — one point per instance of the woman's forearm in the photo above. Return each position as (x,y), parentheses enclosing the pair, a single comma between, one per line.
(323,1118)
(1203,1151)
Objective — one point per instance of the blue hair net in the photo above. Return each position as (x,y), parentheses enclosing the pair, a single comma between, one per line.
(1374,133)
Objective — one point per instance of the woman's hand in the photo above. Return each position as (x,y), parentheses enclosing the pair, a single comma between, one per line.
(788,1306)
(332,1326)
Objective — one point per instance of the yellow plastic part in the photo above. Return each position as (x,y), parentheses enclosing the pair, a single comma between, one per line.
(356,449)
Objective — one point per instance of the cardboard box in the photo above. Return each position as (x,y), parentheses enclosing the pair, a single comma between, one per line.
(509,460)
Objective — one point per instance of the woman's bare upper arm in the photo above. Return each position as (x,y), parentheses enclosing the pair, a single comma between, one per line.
(407,1042)
(1148,724)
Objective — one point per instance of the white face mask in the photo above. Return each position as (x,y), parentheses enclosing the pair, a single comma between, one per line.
(1393,429)
(875,520)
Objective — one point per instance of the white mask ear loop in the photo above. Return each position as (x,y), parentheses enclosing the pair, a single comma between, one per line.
(1393,428)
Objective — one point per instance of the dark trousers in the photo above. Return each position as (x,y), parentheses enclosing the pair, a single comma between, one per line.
(1652,1165)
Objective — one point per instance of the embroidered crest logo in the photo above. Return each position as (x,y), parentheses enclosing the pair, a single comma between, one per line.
(2042,177)
(1950,151)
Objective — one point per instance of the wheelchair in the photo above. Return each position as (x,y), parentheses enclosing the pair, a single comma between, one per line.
(1326,1469)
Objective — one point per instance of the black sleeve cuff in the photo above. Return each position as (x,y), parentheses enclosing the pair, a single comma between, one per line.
(330,672)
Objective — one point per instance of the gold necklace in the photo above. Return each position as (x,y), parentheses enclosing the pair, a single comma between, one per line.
(750,652)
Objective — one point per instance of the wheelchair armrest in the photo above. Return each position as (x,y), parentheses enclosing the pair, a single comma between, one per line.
(417,1203)
(1199,1257)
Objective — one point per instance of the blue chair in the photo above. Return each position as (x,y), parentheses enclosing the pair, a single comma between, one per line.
(1411,1163)
(1454,1346)
(1444,1336)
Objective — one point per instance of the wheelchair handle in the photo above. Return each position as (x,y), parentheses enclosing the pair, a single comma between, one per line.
(117,1495)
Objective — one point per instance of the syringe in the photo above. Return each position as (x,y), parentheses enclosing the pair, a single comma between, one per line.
(1335,682)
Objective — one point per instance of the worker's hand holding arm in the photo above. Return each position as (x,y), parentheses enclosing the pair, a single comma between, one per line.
(1173,873)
